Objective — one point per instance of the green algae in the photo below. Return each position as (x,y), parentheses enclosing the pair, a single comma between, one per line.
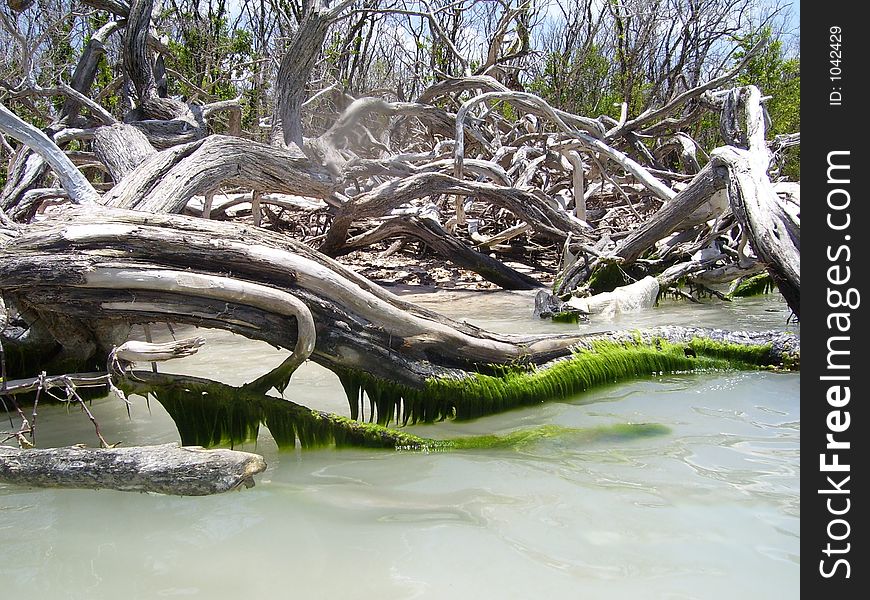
(606,278)
(742,356)
(390,401)
(215,414)
(606,362)
(566,317)
(752,286)
(509,386)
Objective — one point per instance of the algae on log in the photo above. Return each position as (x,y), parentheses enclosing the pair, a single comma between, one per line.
(165,469)
(118,266)
(211,413)
(90,267)
(594,360)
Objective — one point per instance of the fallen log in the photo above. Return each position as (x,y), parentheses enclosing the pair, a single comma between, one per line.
(134,267)
(164,469)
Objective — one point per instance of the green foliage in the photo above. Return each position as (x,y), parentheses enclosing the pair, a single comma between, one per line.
(579,83)
(209,56)
(780,77)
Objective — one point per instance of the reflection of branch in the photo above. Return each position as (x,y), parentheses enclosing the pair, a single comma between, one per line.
(68,384)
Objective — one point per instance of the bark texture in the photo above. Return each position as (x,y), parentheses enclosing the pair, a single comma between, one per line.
(164,469)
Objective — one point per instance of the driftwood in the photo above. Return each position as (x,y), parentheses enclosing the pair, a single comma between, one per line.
(166,271)
(164,469)
(601,192)
(450,247)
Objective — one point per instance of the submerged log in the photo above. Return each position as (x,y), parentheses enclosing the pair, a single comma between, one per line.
(209,413)
(164,469)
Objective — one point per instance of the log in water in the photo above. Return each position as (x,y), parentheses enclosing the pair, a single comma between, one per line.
(165,469)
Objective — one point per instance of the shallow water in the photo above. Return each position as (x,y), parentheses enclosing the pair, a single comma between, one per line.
(708,510)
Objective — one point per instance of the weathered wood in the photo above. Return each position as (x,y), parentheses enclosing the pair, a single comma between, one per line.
(77,186)
(545,218)
(135,351)
(167,180)
(21,386)
(680,213)
(589,142)
(67,267)
(86,70)
(121,148)
(358,324)
(295,68)
(165,121)
(164,469)
(648,117)
(773,230)
(450,247)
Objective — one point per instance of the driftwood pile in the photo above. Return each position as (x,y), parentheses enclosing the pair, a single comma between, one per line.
(144,231)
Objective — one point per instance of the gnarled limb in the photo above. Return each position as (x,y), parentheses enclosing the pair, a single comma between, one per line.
(166,181)
(65,267)
(649,116)
(121,148)
(358,325)
(166,121)
(295,69)
(773,230)
(77,186)
(685,210)
(544,218)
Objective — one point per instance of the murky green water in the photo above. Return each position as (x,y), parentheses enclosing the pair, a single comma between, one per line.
(709,510)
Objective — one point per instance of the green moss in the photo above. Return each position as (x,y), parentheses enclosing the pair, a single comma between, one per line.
(791,362)
(389,401)
(566,317)
(209,415)
(213,414)
(738,355)
(605,362)
(607,278)
(507,387)
(752,286)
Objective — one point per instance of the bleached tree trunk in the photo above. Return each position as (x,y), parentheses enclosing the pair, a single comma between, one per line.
(166,469)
